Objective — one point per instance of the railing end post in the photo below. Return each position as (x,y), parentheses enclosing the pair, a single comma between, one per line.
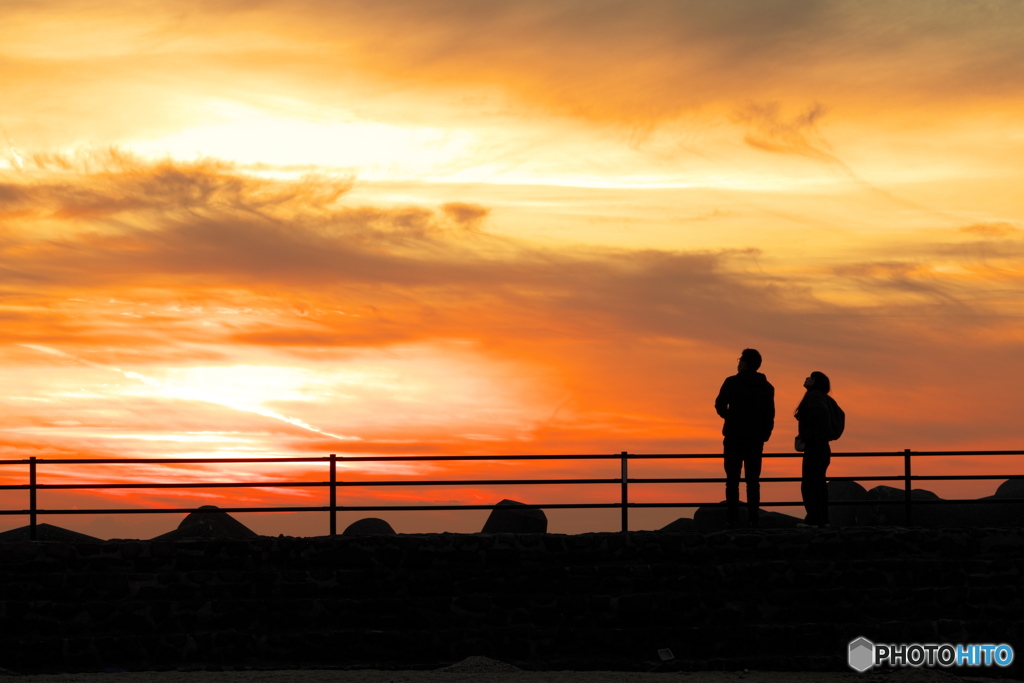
(334,495)
(625,491)
(908,491)
(32,507)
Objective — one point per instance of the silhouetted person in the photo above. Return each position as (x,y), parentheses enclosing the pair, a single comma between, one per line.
(747,403)
(820,420)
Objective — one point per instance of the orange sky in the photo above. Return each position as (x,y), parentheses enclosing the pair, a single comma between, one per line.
(442,226)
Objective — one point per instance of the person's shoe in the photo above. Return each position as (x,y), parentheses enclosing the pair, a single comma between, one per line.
(804,525)
(755,523)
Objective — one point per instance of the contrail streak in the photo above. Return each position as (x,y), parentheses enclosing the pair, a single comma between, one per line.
(191,394)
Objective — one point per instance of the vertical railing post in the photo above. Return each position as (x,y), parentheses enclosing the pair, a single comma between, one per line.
(625,491)
(32,498)
(906,486)
(334,494)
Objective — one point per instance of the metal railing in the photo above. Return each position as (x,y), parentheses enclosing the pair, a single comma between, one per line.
(333,484)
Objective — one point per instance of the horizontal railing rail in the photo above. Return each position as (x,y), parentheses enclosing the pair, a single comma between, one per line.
(333,484)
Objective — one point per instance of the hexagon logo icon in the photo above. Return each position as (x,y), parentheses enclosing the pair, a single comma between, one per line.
(861,654)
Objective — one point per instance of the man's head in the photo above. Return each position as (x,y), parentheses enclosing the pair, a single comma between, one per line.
(750,359)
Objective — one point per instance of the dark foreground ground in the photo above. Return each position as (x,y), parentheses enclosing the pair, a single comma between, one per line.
(483,674)
(337,609)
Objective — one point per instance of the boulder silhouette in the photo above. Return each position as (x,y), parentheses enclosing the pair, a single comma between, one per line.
(208,522)
(989,514)
(985,514)
(896,515)
(1000,510)
(778,520)
(716,518)
(370,526)
(1009,513)
(845,515)
(681,524)
(514,517)
(1011,488)
(47,532)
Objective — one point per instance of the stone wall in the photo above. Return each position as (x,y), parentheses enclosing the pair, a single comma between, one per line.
(768,599)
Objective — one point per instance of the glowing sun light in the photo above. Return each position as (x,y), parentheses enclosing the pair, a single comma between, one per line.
(248,136)
(199,391)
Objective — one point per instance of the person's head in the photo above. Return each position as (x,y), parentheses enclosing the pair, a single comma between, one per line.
(818,381)
(750,359)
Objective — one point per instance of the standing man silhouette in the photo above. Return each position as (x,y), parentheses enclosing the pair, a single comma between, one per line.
(747,404)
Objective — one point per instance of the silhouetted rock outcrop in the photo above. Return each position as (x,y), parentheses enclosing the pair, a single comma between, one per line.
(896,515)
(208,522)
(778,520)
(994,513)
(890,510)
(845,515)
(966,514)
(514,517)
(1008,513)
(47,532)
(1011,488)
(715,518)
(681,524)
(371,526)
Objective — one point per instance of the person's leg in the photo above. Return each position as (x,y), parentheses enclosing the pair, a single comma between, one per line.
(733,466)
(807,486)
(813,486)
(752,468)
(825,458)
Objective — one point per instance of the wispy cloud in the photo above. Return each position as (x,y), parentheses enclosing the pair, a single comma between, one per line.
(992,230)
(770,131)
(613,61)
(211,258)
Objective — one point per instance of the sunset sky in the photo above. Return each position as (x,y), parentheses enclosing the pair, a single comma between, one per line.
(238,229)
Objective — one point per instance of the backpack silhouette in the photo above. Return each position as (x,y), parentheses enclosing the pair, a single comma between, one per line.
(836,419)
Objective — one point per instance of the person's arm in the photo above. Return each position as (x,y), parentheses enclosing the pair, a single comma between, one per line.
(769,418)
(722,402)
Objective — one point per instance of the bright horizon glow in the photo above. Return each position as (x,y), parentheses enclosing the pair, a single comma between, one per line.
(203,388)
